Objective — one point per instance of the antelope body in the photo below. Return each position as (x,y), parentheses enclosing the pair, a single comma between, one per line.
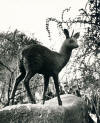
(39,59)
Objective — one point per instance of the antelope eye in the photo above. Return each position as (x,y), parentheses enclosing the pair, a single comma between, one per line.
(71,41)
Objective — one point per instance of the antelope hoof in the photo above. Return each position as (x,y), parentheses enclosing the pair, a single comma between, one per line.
(43,102)
(33,101)
(60,102)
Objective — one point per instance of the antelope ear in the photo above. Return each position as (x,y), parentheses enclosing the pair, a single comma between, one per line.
(76,35)
(66,32)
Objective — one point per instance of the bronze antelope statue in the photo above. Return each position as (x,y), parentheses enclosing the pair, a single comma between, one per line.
(39,59)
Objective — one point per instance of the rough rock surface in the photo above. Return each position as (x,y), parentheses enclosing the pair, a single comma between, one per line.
(74,110)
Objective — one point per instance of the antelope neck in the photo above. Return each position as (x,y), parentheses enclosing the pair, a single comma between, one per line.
(66,52)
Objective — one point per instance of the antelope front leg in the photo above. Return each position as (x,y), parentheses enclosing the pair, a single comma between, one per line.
(55,77)
(46,82)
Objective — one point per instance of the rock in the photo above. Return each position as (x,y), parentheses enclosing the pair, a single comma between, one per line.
(74,110)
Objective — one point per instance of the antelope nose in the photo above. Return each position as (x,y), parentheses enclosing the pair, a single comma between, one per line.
(76,46)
